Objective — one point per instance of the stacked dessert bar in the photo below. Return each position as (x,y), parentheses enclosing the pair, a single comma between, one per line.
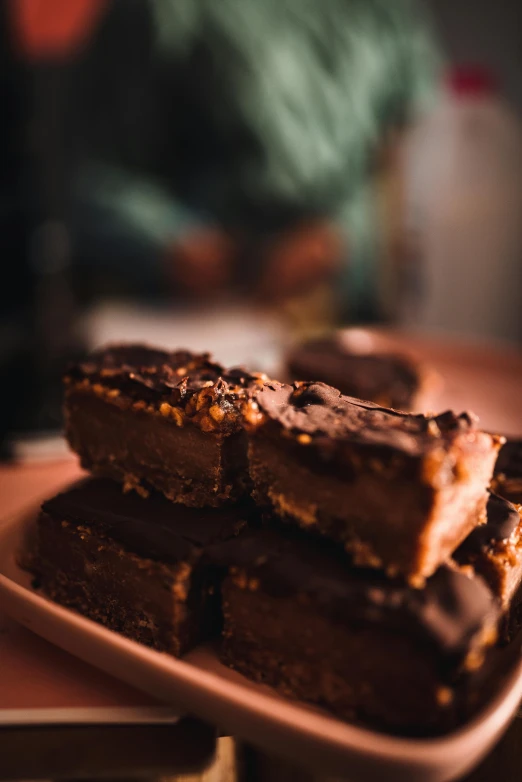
(348,554)
(161,434)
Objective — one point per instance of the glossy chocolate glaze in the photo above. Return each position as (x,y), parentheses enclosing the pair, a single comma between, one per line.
(320,411)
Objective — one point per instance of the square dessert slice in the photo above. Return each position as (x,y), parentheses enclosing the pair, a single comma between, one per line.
(132,564)
(400,491)
(507,480)
(299,618)
(347,360)
(494,551)
(170,421)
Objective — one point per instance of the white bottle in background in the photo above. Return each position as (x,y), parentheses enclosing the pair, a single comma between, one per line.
(463,178)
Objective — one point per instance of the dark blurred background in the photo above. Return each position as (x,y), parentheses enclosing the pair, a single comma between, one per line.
(233,175)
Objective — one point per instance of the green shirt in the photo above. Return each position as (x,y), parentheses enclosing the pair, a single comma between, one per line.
(251,113)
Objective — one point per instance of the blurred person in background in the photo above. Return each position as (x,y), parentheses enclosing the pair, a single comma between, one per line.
(214,145)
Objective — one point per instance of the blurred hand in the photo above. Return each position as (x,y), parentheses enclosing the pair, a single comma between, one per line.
(201,264)
(300,259)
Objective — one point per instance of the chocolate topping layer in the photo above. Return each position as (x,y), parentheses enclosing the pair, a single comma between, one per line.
(319,411)
(139,370)
(502,521)
(448,612)
(154,527)
(189,381)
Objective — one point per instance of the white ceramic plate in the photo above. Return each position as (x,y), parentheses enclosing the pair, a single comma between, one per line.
(200,685)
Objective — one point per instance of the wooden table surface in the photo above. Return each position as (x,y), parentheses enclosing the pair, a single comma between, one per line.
(485,379)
